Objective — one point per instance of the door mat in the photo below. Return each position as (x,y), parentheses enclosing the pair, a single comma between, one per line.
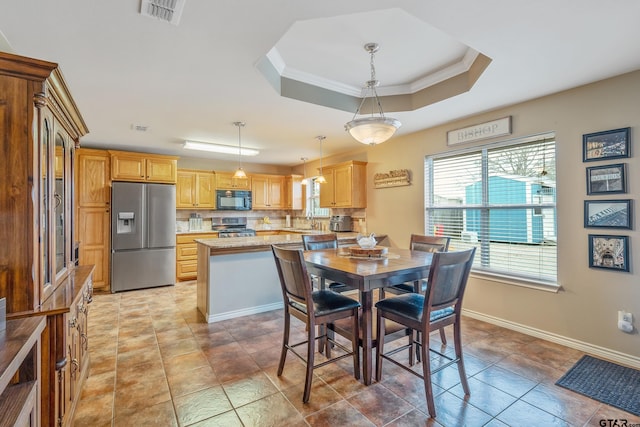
(605,382)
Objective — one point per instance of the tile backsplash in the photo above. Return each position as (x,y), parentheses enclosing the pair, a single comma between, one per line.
(255,220)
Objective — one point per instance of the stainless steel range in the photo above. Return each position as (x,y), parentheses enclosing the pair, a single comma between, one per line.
(233,226)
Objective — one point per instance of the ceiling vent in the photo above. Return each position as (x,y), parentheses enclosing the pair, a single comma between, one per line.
(164,10)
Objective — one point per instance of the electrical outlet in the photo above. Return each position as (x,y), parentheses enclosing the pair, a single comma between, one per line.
(623,316)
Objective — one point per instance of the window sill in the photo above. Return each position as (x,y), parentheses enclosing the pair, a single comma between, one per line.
(517,281)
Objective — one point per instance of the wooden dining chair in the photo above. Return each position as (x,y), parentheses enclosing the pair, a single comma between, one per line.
(312,242)
(314,308)
(419,242)
(440,306)
(423,243)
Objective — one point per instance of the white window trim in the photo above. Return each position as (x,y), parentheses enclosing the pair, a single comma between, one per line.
(530,283)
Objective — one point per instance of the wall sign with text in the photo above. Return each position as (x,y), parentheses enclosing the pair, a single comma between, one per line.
(492,129)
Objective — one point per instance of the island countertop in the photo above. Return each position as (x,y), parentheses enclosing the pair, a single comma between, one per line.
(263,243)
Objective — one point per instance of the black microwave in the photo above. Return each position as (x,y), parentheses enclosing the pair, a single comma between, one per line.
(233,200)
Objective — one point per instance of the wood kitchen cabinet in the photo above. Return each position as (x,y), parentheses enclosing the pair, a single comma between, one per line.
(143,167)
(195,190)
(38,276)
(187,255)
(93,198)
(268,191)
(226,181)
(294,199)
(20,352)
(345,186)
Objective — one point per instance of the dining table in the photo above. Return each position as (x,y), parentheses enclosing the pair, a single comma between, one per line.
(366,274)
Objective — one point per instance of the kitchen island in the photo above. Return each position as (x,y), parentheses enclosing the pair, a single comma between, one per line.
(237,276)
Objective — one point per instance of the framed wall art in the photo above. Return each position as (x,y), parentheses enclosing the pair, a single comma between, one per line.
(610,144)
(606,179)
(607,213)
(610,252)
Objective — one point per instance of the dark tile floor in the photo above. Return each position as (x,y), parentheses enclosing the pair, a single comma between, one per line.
(154,362)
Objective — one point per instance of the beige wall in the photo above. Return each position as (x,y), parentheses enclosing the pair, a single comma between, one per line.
(585,310)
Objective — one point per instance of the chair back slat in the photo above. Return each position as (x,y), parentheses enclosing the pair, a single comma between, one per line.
(429,243)
(312,242)
(448,280)
(294,279)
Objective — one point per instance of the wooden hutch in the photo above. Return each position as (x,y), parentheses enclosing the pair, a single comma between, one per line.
(40,129)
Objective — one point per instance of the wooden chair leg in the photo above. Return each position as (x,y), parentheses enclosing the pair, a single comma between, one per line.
(380,332)
(458,347)
(426,371)
(311,350)
(443,337)
(285,342)
(354,344)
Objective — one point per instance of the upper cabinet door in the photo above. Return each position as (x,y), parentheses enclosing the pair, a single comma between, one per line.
(161,169)
(128,167)
(206,190)
(186,187)
(195,189)
(139,167)
(93,185)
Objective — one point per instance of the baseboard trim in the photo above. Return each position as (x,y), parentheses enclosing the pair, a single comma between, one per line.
(212,318)
(605,353)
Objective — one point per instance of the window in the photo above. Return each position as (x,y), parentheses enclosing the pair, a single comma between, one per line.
(502,200)
(313,200)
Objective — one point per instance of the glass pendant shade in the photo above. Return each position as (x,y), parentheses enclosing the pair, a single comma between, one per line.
(372,130)
(240,173)
(376,128)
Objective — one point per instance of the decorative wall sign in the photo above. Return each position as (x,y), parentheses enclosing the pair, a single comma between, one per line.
(395,178)
(481,131)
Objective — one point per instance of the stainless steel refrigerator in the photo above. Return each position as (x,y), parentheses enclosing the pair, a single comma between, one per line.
(143,235)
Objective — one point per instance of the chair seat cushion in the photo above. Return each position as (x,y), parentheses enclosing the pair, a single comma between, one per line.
(328,302)
(407,287)
(410,306)
(339,287)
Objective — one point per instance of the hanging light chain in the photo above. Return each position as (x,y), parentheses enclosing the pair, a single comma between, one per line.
(239,125)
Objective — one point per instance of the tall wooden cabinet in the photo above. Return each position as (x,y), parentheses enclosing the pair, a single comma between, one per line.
(93,195)
(345,186)
(40,130)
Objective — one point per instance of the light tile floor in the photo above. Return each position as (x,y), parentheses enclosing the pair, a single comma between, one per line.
(154,362)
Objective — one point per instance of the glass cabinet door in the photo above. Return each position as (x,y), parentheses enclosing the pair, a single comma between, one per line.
(60,203)
(45,236)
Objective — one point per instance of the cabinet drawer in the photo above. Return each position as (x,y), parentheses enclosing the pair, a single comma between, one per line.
(187,251)
(191,237)
(187,270)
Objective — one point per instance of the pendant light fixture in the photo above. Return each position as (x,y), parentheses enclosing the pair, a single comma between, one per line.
(304,170)
(373,129)
(239,172)
(320,179)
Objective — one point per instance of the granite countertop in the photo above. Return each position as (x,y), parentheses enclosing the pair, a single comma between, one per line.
(292,230)
(263,243)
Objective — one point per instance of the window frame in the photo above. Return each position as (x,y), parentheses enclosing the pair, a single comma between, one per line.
(520,277)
